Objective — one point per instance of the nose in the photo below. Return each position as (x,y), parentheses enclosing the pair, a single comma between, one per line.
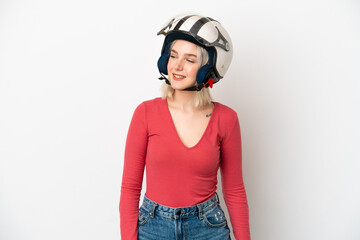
(179,64)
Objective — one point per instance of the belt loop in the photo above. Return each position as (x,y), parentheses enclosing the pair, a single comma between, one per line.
(200,211)
(153,210)
(217,197)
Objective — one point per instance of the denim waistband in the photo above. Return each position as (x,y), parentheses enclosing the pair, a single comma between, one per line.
(183,212)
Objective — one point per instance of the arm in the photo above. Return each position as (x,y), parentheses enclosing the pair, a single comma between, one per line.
(134,164)
(232,181)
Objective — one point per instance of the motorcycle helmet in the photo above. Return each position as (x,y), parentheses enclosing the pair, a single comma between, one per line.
(205,32)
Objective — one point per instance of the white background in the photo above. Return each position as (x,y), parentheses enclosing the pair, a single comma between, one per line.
(72,73)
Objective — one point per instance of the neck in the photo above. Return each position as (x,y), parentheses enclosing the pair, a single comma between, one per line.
(183,100)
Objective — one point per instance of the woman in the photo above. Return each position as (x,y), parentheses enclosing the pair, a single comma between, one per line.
(183,138)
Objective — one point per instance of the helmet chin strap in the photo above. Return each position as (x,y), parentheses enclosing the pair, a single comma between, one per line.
(209,83)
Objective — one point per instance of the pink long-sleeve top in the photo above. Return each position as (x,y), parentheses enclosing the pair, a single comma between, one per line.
(177,175)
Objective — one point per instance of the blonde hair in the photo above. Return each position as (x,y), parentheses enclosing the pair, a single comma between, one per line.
(203,97)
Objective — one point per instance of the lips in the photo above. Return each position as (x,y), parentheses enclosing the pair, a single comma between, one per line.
(178,77)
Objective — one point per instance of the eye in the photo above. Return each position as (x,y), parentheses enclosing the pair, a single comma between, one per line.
(172,56)
(189,60)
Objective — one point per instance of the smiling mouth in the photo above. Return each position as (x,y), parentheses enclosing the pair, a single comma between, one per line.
(178,77)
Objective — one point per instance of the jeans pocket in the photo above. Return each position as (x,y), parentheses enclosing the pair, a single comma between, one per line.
(215,217)
(144,216)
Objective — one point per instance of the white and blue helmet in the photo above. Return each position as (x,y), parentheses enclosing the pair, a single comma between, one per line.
(205,32)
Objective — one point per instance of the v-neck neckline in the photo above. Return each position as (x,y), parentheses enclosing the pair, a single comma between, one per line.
(175,131)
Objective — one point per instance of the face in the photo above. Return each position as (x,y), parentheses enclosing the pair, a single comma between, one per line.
(183,64)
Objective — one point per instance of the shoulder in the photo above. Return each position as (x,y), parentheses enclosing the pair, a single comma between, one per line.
(150,102)
(228,120)
(153,104)
(227,114)
(153,101)
(149,105)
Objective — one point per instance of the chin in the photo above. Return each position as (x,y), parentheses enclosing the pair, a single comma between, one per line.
(179,85)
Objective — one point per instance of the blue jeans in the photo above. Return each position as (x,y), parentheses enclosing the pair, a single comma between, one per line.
(203,221)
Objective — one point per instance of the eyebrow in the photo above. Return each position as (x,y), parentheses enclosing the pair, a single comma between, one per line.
(186,54)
